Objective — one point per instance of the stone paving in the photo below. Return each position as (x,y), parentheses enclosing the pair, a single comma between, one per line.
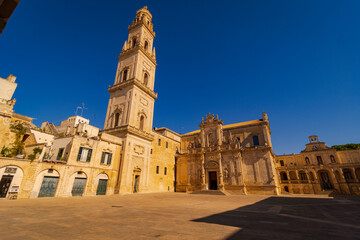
(181,216)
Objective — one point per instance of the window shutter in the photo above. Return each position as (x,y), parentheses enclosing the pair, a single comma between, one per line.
(79,154)
(103,157)
(109,159)
(89,155)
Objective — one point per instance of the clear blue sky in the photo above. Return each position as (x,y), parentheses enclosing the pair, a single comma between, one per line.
(297,60)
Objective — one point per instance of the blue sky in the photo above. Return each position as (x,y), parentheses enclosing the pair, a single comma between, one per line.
(297,60)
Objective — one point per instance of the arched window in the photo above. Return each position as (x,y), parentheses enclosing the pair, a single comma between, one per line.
(142,119)
(117,116)
(307,160)
(134,42)
(286,189)
(348,174)
(146,45)
(303,175)
(125,73)
(332,158)
(283,176)
(255,140)
(146,79)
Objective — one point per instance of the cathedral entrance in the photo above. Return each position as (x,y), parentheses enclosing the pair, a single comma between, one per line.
(213,180)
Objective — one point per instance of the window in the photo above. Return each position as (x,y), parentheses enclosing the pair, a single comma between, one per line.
(84,154)
(106,158)
(282,163)
(165,170)
(150,151)
(146,45)
(60,153)
(256,140)
(307,160)
(348,174)
(125,73)
(157,169)
(332,158)
(117,116)
(146,79)
(319,159)
(159,142)
(134,42)
(142,119)
(303,176)
(167,144)
(283,176)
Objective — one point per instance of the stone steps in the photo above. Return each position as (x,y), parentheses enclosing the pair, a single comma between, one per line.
(211,192)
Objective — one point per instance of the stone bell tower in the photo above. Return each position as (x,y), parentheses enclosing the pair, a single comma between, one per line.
(131,104)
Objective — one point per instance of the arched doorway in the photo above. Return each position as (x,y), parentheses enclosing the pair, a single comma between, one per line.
(102,180)
(46,183)
(325,180)
(10,179)
(79,179)
(137,174)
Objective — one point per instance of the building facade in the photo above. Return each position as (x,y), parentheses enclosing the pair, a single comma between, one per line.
(319,169)
(237,158)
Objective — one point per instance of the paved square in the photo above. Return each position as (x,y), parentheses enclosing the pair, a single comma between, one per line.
(181,216)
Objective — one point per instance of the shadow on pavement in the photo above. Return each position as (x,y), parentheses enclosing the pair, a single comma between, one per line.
(293,218)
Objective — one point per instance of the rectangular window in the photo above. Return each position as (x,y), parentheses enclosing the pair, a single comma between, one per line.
(167,144)
(256,140)
(106,158)
(165,170)
(319,159)
(150,151)
(60,153)
(159,142)
(282,163)
(157,169)
(84,154)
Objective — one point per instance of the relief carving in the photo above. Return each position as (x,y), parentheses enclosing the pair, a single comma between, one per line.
(139,149)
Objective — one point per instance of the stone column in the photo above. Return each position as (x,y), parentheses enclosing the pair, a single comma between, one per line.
(221,179)
(203,183)
(202,135)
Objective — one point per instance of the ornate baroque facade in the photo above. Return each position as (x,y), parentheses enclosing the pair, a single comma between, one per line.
(236,157)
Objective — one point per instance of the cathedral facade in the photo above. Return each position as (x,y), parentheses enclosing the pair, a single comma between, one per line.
(237,158)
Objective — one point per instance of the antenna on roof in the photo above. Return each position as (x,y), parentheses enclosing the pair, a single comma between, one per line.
(82,109)
(77,108)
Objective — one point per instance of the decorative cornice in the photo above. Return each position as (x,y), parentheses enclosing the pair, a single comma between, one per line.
(127,129)
(140,48)
(130,82)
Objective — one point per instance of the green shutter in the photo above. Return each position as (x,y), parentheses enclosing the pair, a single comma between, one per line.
(79,154)
(109,159)
(102,157)
(89,155)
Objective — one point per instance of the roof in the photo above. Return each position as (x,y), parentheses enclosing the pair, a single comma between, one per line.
(234,125)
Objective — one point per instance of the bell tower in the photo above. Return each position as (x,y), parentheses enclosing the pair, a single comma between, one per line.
(132,96)
(131,104)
